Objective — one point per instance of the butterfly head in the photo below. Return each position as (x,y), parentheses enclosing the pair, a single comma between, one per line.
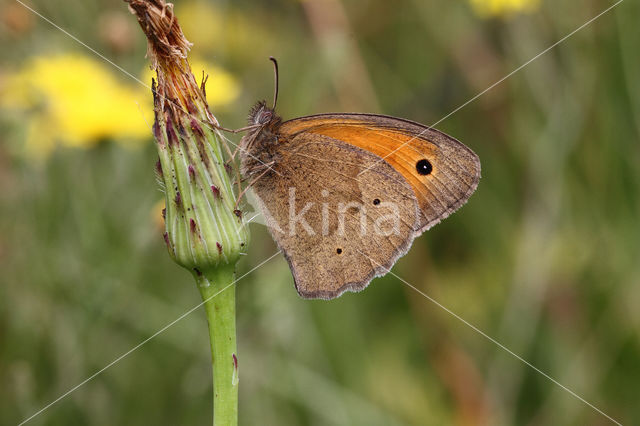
(262,115)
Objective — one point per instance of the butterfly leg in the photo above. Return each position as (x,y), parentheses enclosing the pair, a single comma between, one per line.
(238,146)
(240,130)
(233,154)
(250,184)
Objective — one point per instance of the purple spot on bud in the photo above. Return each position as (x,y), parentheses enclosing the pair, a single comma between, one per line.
(191,107)
(235,362)
(159,168)
(192,225)
(192,172)
(227,167)
(164,213)
(195,127)
(238,213)
(197,271)
(216,191)
(178,199)
(166,239)
(219,247)
(173,138)
(182,130)
(156,132)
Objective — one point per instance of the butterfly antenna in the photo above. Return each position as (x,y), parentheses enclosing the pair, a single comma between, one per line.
(275,71)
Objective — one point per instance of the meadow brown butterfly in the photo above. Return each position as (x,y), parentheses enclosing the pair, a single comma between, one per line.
(344,195)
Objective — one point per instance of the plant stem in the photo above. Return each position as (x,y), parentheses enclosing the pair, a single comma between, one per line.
(220,305)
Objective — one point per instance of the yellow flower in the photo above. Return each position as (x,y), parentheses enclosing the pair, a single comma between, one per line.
(75,101)
(492,8)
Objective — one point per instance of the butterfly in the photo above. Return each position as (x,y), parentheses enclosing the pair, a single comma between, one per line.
(344,195)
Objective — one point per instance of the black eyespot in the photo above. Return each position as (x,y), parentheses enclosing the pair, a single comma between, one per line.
(376,202)
(424,167)
(339,251)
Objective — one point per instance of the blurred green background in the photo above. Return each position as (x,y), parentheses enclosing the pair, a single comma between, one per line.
(544,257)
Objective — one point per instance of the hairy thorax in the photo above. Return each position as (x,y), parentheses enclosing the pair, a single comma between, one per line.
(258,151)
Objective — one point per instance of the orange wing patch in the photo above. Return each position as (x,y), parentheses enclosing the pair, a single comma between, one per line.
(383,142)
(455,168)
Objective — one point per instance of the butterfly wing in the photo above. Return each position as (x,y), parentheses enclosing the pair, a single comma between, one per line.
(441,184)
(339,214)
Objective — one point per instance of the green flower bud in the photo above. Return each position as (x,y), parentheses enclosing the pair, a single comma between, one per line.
(203,229)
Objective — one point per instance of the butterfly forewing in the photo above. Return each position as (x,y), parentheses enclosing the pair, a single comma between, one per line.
(442,172)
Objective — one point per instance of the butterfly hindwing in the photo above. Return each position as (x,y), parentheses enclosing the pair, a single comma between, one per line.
(339,214)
